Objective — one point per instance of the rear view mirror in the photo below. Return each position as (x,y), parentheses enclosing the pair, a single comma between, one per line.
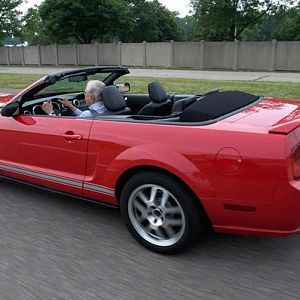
(123,87)
(10,109)
(77,78)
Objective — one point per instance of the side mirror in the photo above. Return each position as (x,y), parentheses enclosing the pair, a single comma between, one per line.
(123,87)
(10,109)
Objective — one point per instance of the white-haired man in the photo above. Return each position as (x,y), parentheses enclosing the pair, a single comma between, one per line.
(93,98)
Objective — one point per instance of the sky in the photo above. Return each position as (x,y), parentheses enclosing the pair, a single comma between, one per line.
(182,6)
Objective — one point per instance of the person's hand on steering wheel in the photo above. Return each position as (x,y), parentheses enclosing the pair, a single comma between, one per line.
(48,108)
(67,104)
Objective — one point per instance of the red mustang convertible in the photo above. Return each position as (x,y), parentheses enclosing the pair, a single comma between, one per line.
(172,163)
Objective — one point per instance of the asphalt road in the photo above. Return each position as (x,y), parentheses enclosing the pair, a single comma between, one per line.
(54,247)
(171,73)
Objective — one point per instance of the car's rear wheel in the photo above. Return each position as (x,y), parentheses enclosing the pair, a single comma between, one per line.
(160,212)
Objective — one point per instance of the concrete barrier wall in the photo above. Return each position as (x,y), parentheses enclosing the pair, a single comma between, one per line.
(270,56)
(48,55)
(66,54)
(108,54)
(15,55)
(255,56)
(189,55)
(287,56)
(86,55)
(31,55)
(133,54)
(219,55)
(3,55)
(159,55)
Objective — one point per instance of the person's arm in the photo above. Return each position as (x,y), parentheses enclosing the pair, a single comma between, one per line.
(70,105)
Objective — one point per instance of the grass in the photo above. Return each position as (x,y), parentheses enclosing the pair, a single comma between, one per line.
(176,85)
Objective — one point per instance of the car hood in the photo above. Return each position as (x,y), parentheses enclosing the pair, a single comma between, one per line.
(270,114)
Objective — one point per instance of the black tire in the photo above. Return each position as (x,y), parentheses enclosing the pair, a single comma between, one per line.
(171,222)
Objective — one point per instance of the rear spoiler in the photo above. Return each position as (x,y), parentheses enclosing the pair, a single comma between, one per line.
(285,128)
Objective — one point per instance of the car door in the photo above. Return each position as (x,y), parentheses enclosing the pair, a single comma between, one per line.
(45,150)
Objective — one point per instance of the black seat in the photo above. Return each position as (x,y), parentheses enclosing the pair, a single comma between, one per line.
(160,103)
(114,102)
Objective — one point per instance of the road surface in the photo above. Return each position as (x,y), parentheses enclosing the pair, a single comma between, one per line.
(58,248)
(192,74)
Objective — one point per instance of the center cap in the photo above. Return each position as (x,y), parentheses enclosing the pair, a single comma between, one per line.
(155,216)
(157,213)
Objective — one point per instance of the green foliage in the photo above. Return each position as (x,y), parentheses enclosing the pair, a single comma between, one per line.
(284,25)
(288,28)
(227,19)
(83,21)
(152,22)
(34,31)
(188,27)
(9,18)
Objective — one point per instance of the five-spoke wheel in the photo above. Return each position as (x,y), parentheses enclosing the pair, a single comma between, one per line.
(160,212)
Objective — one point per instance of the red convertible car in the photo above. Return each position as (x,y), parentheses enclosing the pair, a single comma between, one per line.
(172,163)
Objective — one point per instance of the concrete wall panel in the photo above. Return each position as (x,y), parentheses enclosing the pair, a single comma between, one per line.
(158,54)
(273,55)
(86,55)
(31,55)
(48,55)
(188,55)
(255,56)
(287,56)
(219,55)
(66,54)
(133,54)
(3,58)
(108,54)
(15,55)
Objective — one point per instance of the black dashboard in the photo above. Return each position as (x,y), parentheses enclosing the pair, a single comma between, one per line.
(34,107)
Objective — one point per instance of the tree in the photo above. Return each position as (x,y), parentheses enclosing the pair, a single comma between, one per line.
(289,27)
(187,25)
(9,17)
(283,25)
(83,21)
(227,19)
(153,22)
(33,30)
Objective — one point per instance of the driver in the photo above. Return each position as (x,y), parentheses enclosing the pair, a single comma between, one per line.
(92,97)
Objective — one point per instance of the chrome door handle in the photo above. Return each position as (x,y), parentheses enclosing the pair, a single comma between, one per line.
(72,136)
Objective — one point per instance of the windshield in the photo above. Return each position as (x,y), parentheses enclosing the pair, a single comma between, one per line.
(66,85)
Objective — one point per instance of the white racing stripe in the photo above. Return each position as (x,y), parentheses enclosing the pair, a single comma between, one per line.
(69,182)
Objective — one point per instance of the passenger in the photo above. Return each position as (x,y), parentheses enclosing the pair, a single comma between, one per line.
(92,97)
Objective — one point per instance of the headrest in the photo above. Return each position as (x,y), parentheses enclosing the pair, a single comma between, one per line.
(113,99)
(156,92)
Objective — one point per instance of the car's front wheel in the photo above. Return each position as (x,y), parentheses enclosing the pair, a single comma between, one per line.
(160,212)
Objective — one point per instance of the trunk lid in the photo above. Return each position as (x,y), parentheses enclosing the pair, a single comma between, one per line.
(273,115)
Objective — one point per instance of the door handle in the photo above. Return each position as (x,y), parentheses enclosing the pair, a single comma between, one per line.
(72,136)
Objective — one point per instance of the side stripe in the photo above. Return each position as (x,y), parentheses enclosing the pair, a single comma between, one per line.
(70,182)
(99,188)
(41,175)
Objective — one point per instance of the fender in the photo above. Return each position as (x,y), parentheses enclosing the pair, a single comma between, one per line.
(166,158)
(5,98)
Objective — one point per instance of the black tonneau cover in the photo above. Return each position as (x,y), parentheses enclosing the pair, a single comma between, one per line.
(216,105)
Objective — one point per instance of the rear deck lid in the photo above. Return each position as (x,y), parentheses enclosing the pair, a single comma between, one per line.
(273,115)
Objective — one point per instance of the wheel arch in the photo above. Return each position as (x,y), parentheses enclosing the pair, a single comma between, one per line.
(123,178)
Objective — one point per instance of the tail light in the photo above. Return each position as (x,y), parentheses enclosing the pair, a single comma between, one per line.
(296,161)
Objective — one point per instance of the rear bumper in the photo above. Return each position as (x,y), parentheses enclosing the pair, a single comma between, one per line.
(280,216)
(255,231)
